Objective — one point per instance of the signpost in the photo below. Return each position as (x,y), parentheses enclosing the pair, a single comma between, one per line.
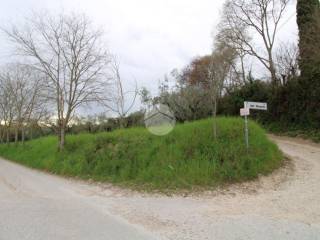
(246,112)
(256,105)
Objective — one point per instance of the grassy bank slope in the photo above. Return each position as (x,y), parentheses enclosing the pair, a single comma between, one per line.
(188,157)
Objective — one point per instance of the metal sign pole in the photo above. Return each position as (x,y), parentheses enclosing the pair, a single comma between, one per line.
(246,131)
(246,111)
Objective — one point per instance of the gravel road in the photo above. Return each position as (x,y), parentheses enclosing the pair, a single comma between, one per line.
(284,205)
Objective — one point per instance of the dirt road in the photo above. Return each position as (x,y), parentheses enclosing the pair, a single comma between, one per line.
(284,205)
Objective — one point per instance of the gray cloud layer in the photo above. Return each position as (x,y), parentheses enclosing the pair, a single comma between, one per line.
(150,37)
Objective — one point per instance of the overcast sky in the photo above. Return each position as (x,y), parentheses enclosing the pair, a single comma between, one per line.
(150,37)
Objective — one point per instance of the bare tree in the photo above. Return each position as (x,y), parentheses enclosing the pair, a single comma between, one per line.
(120,101)
(71,54)
(222,59)
(6,106)
(287,61)
(145,98)
(226,36)
(22,85)
(261,17)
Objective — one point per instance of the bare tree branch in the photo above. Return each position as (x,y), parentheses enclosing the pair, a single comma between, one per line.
(71,53)
(261,17)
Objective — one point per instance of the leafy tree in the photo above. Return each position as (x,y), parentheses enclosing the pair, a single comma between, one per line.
(196,72)
(309,42)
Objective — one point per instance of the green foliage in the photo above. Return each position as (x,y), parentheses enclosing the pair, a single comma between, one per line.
(95,124)
(186,158)
(308,19)
(286,105)
(257,91)
(294,131)
(190,103)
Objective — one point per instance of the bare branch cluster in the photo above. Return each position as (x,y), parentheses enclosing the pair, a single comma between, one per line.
(70,53)
(244,18)
(120,100)
(21,100)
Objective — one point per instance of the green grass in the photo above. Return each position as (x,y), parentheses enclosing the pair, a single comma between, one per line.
(187,158)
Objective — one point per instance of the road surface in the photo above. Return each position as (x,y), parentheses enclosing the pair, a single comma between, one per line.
(38,206)
(284,205)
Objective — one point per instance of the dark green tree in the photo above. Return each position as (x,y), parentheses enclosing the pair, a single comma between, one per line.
(308,20)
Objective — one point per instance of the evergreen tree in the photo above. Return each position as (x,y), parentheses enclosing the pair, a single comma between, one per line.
(308,20)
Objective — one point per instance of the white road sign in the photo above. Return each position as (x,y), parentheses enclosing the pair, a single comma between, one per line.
(256,105)
(244,112)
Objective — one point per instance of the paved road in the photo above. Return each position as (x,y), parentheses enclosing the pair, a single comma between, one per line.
(37,206)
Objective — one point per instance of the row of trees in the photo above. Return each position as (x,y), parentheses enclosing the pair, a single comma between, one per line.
(66,65)
(291,86)
(103,123)
(226,76)
(22,104)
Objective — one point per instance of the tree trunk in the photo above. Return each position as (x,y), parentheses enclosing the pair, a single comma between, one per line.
(273,75)
(62,138)
(31,133)
(214,116)
(22,135)
(272,70)
(244,78)
(121,122)
(8,135)
(16,135)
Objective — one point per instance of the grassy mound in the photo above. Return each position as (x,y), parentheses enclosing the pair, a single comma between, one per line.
(187,157)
